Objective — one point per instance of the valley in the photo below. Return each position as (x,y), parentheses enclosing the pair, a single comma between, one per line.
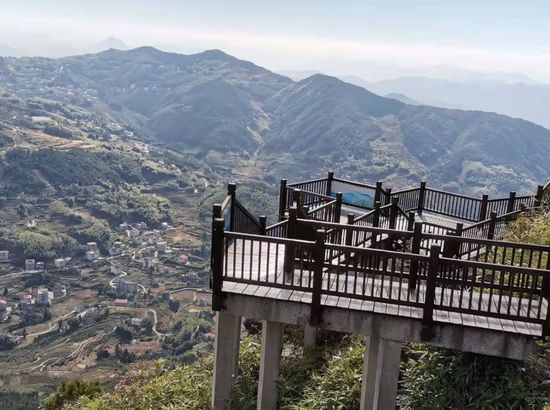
(110,165)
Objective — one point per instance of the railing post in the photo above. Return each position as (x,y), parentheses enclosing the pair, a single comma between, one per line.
(330,177)
(538,196)
(410,223)
(483,208)
(231,190)
(216,213)
(376,215)
(421,196)
(282,199)
(429,296)
(338,207)
(318,262)
(263,223)
(217,263)
(289,248)
(511,202)
(451,247)
(394,212)
(415,248)
(387,199)
(492,226)
(349,231)
(378,192)
(545,293)
(297,197)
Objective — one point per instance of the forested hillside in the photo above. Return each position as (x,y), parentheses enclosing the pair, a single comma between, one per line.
(211,101)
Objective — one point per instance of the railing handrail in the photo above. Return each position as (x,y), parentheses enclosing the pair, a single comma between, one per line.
(276,225)
(364,216)
(360,184)
(488,266)
(226,202)
(311,181)
(273,239)
(322,196)
(374,229)
(453,194)
(311,211)
(404,191)
(248,214)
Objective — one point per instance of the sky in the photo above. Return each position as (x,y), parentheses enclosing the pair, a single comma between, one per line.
(370,39)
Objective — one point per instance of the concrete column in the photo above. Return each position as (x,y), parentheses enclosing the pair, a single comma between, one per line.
(226,358)
(310,336)
(270,361)
(380,374)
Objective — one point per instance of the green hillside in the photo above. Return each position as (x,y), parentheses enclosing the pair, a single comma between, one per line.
(211,101)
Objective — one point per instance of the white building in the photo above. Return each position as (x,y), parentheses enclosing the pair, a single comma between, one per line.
(116,249)
(92,255)
(29,265)
(39,266)
(59,290)
(141,226)
(91,246)
(42,296)
(116,268)
(4,256)
(60,263)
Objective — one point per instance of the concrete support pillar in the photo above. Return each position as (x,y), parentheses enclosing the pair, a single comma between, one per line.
(270,361)
(226,358)
(310,336)
(380,374)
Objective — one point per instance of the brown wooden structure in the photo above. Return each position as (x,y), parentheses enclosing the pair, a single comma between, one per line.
(426,256)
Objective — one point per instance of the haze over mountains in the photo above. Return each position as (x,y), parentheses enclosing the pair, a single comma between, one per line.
(511,94)
(213,101)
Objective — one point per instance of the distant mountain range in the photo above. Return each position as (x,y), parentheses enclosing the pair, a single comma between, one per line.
(212,101)
(520,100)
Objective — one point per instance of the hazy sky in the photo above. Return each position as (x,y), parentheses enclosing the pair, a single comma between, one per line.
(344,37)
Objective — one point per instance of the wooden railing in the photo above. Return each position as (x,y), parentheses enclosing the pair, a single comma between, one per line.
(445,203)
(402,279)
(278,230)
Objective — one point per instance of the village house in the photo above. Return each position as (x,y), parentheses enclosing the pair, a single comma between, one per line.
(126,287)
(42,296)
(4,256)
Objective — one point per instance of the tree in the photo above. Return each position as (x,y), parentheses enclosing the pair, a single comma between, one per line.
(69,392)
(5,292)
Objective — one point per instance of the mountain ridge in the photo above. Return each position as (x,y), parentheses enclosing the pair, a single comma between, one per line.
(214,101)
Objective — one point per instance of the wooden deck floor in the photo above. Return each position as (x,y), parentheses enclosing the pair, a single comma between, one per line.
(262,267)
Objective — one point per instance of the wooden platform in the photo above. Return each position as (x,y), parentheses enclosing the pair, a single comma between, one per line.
(258,270)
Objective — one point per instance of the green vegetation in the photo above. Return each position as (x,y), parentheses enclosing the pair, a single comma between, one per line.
(32,171)
(40,245)
(131,205)
(69,392)
(441,379)
(330,378)
(58,132)
(534,228)
(15,400)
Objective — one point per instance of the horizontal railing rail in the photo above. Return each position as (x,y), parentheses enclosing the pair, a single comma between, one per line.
(454,205)
(306,198)
(428,283)
(318,186)
(408,198)
(243,220)
(326,212)
(278,230)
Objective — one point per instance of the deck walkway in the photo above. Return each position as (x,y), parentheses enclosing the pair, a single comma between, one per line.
(257,269)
